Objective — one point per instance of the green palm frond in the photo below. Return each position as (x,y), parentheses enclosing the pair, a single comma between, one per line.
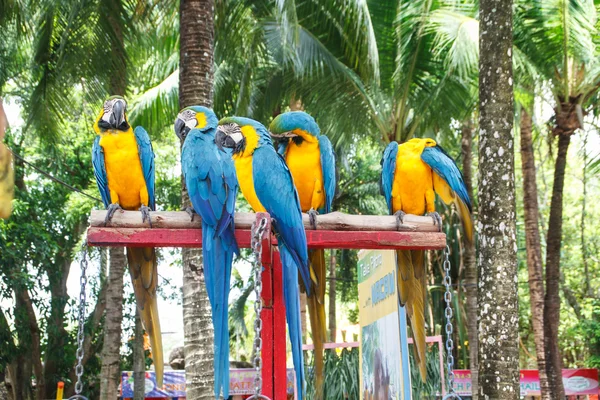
(237,310)
(457,41)
(559,37)
(76,43)
(157,48)
(383,14)
(345,28)
(157,107)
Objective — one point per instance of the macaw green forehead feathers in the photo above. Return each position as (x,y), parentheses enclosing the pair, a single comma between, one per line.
(292,120)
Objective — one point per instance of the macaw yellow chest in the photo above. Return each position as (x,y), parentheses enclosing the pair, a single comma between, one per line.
(304,162)
(124,170)
(412,190)
(243,169)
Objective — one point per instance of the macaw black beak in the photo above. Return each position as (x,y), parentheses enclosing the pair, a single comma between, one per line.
(181,130)
(235,141)
(117,118)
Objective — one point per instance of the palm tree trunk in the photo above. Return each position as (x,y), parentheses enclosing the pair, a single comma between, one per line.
(111,348)
(332,297)
(33,340)
(534,248)
(552,300)
(139,361)
(21,369)
(303,311)
(497,265)
(196,24)
(584,253)
(57,338)
(469,259)
(110,370)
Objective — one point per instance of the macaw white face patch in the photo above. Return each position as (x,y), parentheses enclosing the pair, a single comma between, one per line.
(233,131)
(189,118)
(108,107)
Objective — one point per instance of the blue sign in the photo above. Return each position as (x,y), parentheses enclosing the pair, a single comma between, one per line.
(173,385)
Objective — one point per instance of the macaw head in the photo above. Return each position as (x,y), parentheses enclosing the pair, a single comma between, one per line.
(113,116)
(295,125)
(420,144)
(242,135)
(195,117)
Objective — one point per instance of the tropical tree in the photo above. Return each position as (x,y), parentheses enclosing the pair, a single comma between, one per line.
(532,241)
(418,59)
(116,17)
(469,258)
(498,302)
(196,88)
(559,38)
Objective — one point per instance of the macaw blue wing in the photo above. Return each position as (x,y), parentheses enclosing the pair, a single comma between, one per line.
(275,189)
(212,186)
(388,170)
(328,166)
(211,180)
(446,168)
(147,158)
(100,171)
(449,184)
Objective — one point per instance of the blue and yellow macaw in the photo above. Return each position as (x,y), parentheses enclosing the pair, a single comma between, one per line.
(412,173)
(268,186)
(7,174)
(124,168)
(212,185)
(310,158)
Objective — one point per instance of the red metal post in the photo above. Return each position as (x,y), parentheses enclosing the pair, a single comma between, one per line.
(279,337)
(274,372)
(267,310)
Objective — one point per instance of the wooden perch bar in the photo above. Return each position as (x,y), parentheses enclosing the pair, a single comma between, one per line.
(334,231)
(335,221)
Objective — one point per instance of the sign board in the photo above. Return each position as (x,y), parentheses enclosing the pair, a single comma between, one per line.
(575,381)
(241,382)
(173,385)
(384,368)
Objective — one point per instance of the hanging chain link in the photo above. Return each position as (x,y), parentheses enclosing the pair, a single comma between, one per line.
(81,321)
(449,328)
(256,244)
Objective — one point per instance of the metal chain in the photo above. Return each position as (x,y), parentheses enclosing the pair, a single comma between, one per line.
(256,244)
(449,328)
(81,321)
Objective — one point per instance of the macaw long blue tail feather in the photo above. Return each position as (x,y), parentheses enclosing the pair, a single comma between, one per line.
(291,294)
(218,257)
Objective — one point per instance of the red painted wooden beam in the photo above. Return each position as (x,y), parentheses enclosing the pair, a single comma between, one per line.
(320,239)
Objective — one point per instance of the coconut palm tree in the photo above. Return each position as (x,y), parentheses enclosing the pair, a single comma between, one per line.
(427,53)
(498,308)
(559,39)
(196,28)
